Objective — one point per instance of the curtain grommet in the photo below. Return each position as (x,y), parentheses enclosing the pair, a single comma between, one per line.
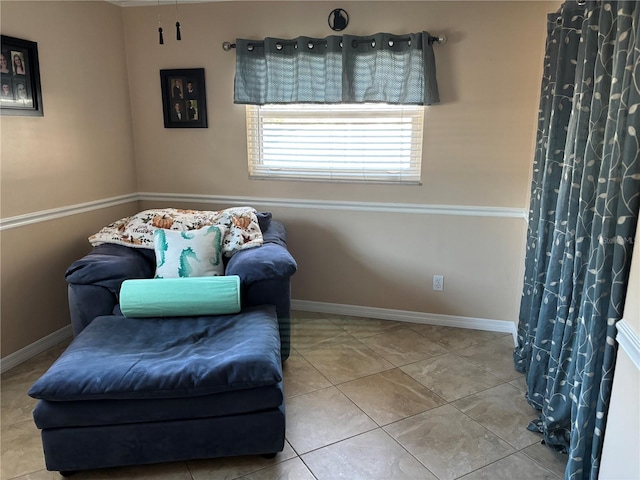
(278,46)
(250,47)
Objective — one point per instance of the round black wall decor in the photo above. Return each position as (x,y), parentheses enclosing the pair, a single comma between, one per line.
(338,20)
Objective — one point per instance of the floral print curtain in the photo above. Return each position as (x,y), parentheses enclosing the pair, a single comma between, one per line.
(585,197)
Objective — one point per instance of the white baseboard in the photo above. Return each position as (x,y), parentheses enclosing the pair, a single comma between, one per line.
(408,316)
(58,336)
(39,346)
(629,340)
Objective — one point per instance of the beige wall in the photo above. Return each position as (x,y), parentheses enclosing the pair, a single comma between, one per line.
(100,79)
(477,150)
(80,151)
(621,449)
(478,142)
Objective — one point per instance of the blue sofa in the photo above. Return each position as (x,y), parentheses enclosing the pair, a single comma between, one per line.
(131,391)
(265,272)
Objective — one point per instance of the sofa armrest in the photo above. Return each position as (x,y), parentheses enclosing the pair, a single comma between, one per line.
(270,261)
(267,262)
(108,265)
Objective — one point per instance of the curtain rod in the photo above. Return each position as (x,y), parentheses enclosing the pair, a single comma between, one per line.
(440,39)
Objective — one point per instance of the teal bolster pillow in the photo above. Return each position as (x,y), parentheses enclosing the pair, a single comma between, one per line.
(180,297)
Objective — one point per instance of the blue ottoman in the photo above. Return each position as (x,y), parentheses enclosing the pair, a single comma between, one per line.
(136,391)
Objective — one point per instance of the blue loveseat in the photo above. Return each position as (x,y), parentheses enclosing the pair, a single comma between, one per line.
(133,391)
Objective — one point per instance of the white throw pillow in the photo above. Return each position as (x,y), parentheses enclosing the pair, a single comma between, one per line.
(191,253)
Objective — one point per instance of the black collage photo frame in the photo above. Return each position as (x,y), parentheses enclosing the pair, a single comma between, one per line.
(20,91)
(184,99)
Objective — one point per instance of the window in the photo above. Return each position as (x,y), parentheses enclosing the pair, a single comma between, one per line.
(369,143)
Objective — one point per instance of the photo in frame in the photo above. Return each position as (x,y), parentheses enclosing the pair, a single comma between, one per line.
(184,99)
(20,92)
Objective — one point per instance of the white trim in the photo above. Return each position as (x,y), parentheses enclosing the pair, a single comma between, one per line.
(35,348)
(378,207)
(154,3)
(64,333)
(53,213)
(629,340)
(408,316)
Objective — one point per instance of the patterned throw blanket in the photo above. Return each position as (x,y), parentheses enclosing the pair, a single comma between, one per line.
(241,224)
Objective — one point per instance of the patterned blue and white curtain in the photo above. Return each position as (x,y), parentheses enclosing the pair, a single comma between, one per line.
(395,69)
(585,198)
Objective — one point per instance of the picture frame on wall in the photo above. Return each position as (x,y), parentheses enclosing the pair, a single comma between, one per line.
(184,98)
(20,91)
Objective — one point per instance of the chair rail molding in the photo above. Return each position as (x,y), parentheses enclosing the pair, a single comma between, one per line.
(53,213)
(629,340)
(263,202)
(380,207)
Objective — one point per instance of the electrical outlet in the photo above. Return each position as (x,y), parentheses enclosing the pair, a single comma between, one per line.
(438,282)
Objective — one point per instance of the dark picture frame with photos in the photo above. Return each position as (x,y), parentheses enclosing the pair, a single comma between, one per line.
(20,90)
(184,98)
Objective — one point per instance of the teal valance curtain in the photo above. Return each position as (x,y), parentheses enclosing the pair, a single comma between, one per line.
(585,197)
(394,69)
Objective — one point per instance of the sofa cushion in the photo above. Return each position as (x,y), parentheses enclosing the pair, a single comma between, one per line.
(191,253)
(114,412)
(127,358)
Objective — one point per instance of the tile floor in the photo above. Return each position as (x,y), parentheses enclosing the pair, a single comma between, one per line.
(366,399)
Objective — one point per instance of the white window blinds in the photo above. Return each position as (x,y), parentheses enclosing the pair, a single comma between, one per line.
(369,143)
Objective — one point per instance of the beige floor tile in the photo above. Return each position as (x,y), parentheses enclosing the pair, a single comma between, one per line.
(160,471)
(297,315)
(40,475)
(390,396)
(234,467)
(451,377)
(15,405)
(520,383)
(320,418)
(369,456)
(20,450)
(347,361)
(301,377)
(504,411)
(517,465)
(448,442)
(33,368)
(333,429)
(293,469)
(495,356)
(402,346)
(310,333)
(454,338)
(548,458)
(361,327)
